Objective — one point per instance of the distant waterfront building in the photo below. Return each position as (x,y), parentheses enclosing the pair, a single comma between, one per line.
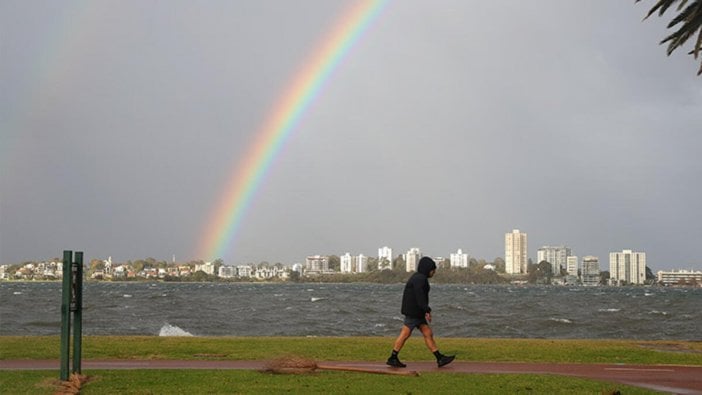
(317,264)
(556,256)
(459,259)
(108,266)
(226,271)
(516,252)
(412,259)
(244,271)
(267,273)
(627,267)
(297,267)
(207,267)
(384,258)
(590,270)
(353,264)
(346,263)
(572,265)
(680,277)
(361,263)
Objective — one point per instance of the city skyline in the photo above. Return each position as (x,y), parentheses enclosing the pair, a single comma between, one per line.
(395,253)
(124,124)
(448,256)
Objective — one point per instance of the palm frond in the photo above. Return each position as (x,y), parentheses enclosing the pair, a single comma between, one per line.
(684,16)
(662,5)
(690,19)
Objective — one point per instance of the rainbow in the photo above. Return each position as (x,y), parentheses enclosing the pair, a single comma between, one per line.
(240,190)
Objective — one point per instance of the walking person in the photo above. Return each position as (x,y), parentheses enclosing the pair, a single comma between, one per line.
(415,307)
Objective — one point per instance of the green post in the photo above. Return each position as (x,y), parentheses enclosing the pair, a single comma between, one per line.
(66,314)
(77,310)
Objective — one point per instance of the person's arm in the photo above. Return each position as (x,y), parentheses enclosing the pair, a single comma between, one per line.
(422,298)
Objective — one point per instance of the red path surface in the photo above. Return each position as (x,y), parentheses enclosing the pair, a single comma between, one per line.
(667,378)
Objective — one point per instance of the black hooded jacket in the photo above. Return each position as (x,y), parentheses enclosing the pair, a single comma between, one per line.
(415,298)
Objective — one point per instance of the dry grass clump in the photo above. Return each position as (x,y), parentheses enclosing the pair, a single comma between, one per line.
(293,364)
(71,386)
(290,364)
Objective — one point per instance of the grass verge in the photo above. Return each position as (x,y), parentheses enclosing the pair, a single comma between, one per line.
(359,349)
(342,348)
(250,382)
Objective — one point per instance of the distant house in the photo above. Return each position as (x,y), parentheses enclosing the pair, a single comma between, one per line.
(244,271)
(226,271)
(680,277)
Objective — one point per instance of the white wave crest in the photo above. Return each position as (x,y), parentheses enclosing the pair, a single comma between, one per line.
(608,310)
(316,299)
(172,330)
(561,320)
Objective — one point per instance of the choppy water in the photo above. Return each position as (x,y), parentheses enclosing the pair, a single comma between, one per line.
(245,309)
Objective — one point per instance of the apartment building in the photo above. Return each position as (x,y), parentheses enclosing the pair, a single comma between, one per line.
(384,258)
(459,259)
(412,259)
(590,270)
(572,265)
(516,252)
(627,267)
(680,277)
(557,256)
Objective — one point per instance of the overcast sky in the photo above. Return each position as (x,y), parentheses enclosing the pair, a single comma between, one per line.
(447,125)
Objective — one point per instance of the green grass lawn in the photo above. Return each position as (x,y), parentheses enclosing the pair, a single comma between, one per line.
(339,348)
(359,349)
(251,382)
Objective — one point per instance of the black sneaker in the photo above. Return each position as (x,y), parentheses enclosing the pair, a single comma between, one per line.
(445,360)
(395,362)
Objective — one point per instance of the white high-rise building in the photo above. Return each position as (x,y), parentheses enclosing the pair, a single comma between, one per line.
(516,252)
(412,259)
(384,258)
(353,264)
(346,263)
(591,270)
(628,267)
(361,263)
(557,256)
(459,259)
(572,265)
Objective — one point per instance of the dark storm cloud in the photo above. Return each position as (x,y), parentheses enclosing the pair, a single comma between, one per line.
(447,125)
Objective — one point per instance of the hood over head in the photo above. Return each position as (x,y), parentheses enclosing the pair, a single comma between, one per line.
(426,265)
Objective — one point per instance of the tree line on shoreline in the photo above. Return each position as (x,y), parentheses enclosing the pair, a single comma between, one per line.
(479,271)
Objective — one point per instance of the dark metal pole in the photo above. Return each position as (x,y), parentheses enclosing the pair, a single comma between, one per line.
(66,314)
(77,311)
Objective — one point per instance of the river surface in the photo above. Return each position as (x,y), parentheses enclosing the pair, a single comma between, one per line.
(313,309)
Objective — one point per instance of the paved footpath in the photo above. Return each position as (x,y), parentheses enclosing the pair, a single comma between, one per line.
(666,378)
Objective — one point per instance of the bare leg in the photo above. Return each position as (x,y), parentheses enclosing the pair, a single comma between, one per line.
(428,337)
(405,333)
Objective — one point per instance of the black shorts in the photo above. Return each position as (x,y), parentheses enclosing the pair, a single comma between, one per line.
(414,322)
